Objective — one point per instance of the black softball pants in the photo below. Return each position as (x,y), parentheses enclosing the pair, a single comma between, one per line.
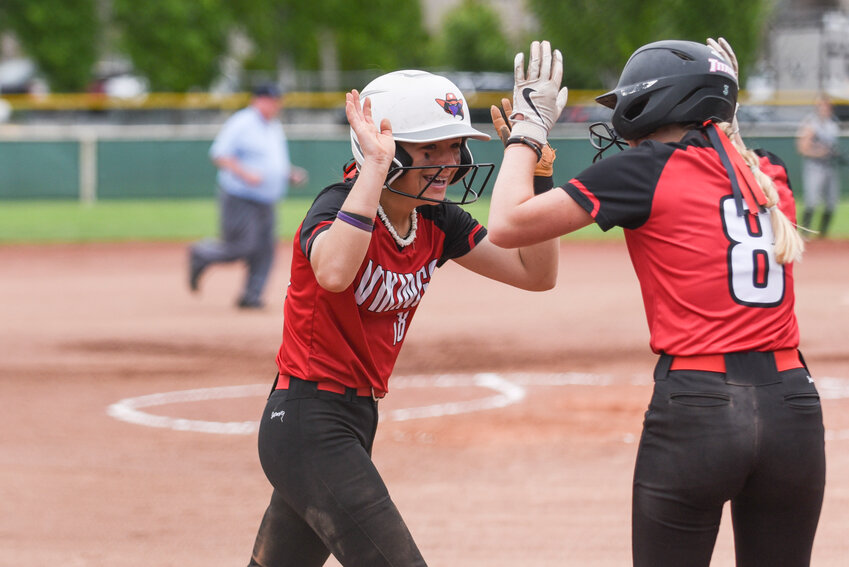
(753,436)
(315,448)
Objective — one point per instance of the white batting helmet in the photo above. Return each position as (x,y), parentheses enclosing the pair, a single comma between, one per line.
(422,107)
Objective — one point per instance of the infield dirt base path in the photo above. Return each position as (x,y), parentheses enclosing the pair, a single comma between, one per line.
(542,480)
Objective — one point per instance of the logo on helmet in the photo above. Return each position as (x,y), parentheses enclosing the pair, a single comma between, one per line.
(637,88)
(720,66)
(451,104)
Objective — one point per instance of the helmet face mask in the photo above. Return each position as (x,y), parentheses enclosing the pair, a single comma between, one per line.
(472,181)
(603,137)
(422,107)
(671,82)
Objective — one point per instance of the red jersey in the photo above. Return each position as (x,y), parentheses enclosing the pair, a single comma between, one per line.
(709,278)
(353,337)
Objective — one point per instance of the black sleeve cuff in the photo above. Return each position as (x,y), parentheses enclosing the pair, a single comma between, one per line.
(542,184)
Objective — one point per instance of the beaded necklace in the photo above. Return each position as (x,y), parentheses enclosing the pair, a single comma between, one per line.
(402,242)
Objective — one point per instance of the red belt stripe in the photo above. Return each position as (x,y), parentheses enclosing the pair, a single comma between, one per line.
(329,386)
(785,359)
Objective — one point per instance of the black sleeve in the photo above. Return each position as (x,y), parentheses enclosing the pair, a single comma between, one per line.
(777,162)
(462,231)
(322,213)
(618,190)
(543,183)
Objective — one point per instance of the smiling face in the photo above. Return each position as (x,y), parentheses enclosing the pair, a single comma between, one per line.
(441,153)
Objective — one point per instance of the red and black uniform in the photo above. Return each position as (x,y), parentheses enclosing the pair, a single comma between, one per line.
(354,337)
(337,354)
(734,415)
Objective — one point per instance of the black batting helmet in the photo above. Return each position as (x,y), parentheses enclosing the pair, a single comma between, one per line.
(671,82)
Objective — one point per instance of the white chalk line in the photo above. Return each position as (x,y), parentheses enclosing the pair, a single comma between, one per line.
(127,409)
(834,389)
(509,389)
(508,392)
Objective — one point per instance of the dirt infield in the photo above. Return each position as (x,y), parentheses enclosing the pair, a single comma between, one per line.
(522,457)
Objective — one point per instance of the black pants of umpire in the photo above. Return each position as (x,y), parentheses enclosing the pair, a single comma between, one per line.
(248,233)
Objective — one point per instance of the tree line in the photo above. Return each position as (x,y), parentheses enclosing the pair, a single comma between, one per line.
(179,45)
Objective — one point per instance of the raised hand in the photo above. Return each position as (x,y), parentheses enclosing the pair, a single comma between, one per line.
(538,99)
(377,144)
(724,49)
(500,119)
(503,126)
(726,52)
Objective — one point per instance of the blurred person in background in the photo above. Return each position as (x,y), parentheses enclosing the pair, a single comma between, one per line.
(818,143)
(252,156)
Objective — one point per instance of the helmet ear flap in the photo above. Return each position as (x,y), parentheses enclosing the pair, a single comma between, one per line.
(466,160)
(401,160)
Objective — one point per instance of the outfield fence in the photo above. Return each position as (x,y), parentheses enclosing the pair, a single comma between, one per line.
(89,163)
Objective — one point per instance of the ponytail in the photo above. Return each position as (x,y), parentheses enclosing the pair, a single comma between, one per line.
(788,243)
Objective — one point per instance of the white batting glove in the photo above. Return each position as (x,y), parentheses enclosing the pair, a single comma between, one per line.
(538,99)
(723,48)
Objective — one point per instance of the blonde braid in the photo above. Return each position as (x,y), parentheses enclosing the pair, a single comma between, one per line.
(788,243)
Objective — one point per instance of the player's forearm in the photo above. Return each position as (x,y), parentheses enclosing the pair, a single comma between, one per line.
(513,187)
(808,147)
(365,194)
(820,151)
(338,253)
(541,262)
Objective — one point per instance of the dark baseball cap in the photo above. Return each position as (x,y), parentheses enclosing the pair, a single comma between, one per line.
(267,89)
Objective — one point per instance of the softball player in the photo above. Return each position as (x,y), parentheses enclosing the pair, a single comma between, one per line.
(363,258)
(818,142)
(709,227)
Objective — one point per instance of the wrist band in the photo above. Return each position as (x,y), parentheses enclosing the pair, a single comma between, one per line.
(533,144)
(543,183)
(357,221)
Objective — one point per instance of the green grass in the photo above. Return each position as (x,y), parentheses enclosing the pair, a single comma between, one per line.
(188,219)
(105,221)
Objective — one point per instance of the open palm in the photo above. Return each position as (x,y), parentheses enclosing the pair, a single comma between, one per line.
(376,143)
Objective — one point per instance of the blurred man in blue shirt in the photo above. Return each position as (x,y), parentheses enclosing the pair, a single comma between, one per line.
(254,172)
